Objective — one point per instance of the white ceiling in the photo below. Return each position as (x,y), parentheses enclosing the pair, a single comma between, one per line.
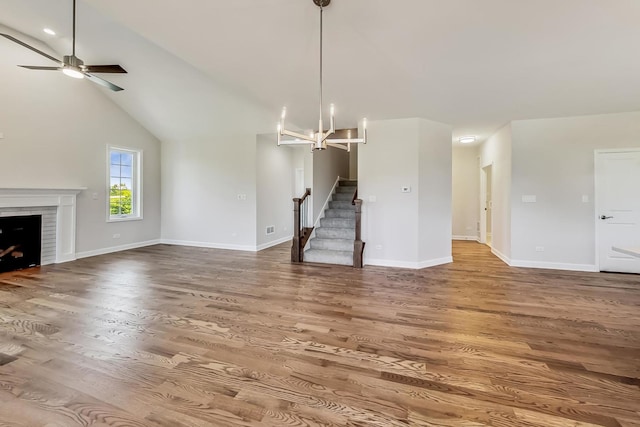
(475,64)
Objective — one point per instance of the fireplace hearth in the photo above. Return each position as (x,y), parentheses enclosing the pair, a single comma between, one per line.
(20,242)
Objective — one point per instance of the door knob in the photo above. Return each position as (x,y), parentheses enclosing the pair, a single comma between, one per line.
(605,217)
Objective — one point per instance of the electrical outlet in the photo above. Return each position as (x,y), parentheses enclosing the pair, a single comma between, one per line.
(116,236)
(378,247)
(94,196)
(539,248)
(242,197)
(373,199)
(405,189)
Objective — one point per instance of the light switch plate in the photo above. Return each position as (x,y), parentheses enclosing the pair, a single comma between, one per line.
(529,199)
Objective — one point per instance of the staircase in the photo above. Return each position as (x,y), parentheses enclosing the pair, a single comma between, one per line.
(333,241)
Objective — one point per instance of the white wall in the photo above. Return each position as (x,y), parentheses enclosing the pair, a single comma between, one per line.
(435,193)
(413,153)
(496,151)
(275,189)
(465,192)
(553,159)
(327,166)
(56,131)
(207,164)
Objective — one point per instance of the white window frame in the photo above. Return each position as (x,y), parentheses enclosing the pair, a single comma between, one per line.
(136,177)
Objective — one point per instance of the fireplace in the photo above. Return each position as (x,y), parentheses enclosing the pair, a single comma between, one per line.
(20,242)
(57,206)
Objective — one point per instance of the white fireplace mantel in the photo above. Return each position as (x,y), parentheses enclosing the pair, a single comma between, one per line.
(62,198)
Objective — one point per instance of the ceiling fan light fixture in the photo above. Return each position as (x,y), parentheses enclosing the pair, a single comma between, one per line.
(72,72)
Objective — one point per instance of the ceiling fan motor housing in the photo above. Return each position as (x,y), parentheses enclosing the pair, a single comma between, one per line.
(73,61)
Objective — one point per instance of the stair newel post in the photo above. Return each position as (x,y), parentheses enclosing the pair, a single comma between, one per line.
(358,244)
(295,247)
(301,230)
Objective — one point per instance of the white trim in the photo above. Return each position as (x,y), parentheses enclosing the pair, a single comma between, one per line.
(273,243)
(596,191)
(474,238)
(209,245)
(502,256)
(65,199)
(136,178)
(553,265)
(120,248)
(408,264)
(326,203)
(434,262)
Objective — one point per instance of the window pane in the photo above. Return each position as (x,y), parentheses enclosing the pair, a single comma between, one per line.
(115,158)
(115,181)
(123,175)
(125,172)
(114,171)
(126,159)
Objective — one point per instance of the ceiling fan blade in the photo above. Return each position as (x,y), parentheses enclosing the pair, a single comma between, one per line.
(35,67)
(103,82)
(21,43)
(104,69)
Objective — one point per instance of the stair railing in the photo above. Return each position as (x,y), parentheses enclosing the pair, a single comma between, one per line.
(302,226)
(358,244)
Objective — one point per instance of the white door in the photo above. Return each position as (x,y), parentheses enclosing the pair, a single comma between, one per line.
(485,204)
(618,209)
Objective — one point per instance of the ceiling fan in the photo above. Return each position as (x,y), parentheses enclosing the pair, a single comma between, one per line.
(71,65)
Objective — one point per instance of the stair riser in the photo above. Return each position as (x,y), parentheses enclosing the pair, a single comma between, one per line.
(332,244)
(340,213)
(343,197)
(335,233)
(349,190)
(338,223)
(328,258)
(342,205)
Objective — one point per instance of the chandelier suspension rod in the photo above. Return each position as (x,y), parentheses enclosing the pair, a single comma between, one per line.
(321,28)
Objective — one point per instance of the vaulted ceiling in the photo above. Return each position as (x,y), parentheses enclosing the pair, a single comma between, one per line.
(475,64)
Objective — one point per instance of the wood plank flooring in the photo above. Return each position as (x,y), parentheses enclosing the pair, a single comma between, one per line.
(175,336)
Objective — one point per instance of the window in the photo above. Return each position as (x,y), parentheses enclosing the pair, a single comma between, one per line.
(124,184)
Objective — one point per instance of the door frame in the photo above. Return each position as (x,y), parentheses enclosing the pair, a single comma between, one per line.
(483,203)
(596,190)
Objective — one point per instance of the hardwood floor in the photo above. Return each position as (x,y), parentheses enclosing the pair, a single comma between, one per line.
(175,336)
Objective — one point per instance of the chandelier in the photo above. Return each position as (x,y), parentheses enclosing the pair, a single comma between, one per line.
(320,140)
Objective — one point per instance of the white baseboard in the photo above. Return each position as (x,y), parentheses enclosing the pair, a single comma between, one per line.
(553,265)
(273,243)
(475,238)
(434,262)
(407,264)
(209,245)
(113,249)
(502,256)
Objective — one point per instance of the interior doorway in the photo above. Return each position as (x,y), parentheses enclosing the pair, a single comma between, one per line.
(486,205)
(617,202)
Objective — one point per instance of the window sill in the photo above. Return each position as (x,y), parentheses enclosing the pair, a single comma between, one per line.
(124,219)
